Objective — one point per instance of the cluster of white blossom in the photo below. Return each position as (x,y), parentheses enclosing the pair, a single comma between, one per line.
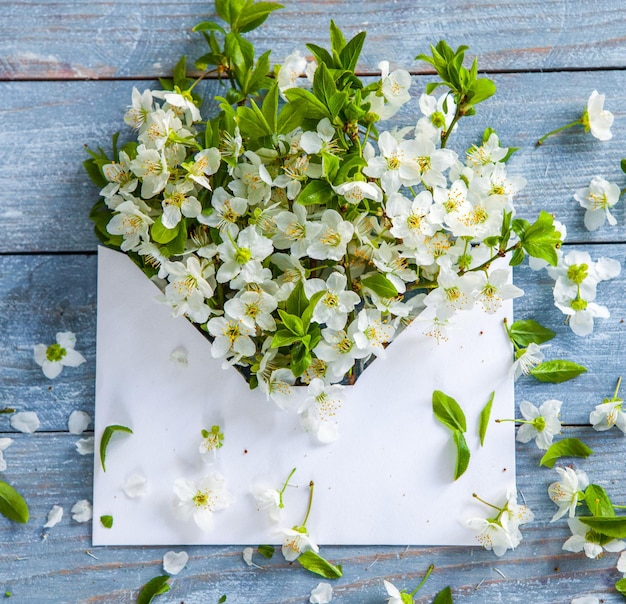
(409,215)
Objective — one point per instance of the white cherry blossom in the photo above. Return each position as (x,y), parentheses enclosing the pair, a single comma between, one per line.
(598,199)
(297,542)
(566,492)
(597,119)
(608,414)
(54,357)
(331,242)
(542,424)
(333,307)
(582,539)
(200,501)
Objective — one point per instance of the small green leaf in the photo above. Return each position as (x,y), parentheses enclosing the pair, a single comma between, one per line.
(557,371)
(623,165)
(380,285)
(485,414)
(567,447)
(162,234)
(292,322)
(152,588)
(107,521)
(283,337)
(621,584)
(316,564)
(528,332)
(109,431)
(614,527)
(448,411)
(267,551)
(12,504)
(598,501)
(444,596)
(317,192)
(349,55)
(222,599)
(208,26)
(462,454)
(539,239)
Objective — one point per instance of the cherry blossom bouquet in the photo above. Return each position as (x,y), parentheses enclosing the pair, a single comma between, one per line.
(297,233)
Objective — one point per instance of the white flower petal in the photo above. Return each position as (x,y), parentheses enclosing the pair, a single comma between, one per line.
(174,562)
(82,511)
(54,516)
(621,563)
(79,421)
(179,356)
(136,486)
(322,594)
(85,446)
(25,421)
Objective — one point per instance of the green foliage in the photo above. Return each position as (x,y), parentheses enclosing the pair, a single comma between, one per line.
(557,371)
(567,447)
(267,551)
(380,285)
(106,521)
(485,414)
(609,526)
(540,239)
(621,584)
(528,332)
(109,431)
(444,596)
(450,414)
(598,501)
(468,89)
(12,504)
(314,563)
(155,587)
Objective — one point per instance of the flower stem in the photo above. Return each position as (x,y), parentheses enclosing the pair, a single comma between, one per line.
(308,509)
(282,491)
(486,502)
(455,119)
(545,136)
(430,570)
(619,383)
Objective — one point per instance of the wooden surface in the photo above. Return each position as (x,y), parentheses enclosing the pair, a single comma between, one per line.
(545,56)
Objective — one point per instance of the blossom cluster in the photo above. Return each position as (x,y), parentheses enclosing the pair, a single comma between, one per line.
(304,253)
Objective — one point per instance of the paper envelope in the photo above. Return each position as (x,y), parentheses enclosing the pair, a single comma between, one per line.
(389,479)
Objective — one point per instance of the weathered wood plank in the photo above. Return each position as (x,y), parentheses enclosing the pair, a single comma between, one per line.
(78,40)
(47,470)
(44,125)
(40,295)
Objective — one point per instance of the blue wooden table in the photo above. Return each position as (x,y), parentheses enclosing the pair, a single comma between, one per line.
(66,73)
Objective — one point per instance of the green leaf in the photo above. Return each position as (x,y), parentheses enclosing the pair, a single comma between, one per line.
(324,84)
(109,431)
(527,332)
(12,504)
(444,596)
(308,311)
(349,56)
(162,234)
(290,117)
(598,501)
(322,56)
(317,192)
(337,39)
(152,588)
(314,108)
(623,165)
(380,285)
(621,584)
(267,551)
(107,521)
(462,454)
(614,527)
(255,15)
(284,337)
(485,414)
(222,599)
(292,322)
(297,301)
(448,411)
(567,447)
(316,564)
(481,90)
(557,371)
(270,107)
(208,26)
(539,239)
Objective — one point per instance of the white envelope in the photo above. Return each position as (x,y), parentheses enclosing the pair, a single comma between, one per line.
(388,480)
